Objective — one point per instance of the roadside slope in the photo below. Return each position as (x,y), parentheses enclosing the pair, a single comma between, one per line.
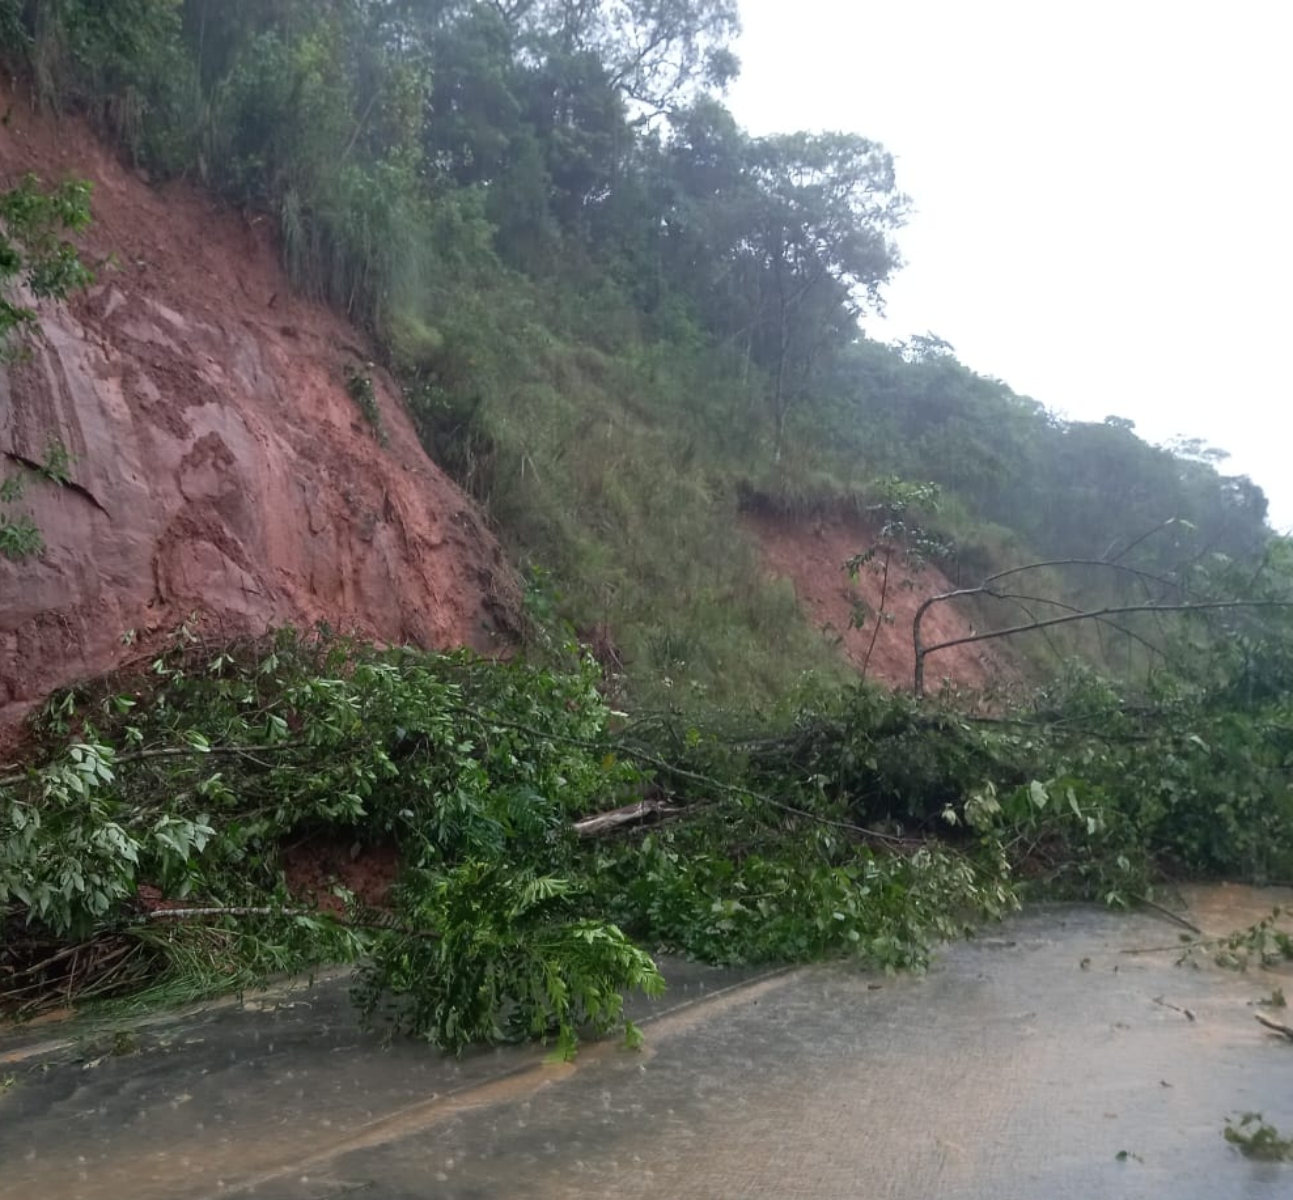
(218,465)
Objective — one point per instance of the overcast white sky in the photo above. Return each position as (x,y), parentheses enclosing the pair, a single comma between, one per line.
(1103,194)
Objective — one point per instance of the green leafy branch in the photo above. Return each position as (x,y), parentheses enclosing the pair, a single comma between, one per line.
(1256,1138)
(33,250)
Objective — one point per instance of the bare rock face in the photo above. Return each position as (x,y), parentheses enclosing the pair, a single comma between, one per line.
(218,466)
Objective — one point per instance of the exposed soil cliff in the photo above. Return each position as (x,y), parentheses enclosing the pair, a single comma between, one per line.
(811,553)
(218,464)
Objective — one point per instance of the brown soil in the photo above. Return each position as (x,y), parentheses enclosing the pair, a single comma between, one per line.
(811,553)
(315,867)
(219,467)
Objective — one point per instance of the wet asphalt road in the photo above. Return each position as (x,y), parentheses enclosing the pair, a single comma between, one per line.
(1023,1065)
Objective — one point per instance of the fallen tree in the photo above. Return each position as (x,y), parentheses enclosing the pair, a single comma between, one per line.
(142,840)
(546,848)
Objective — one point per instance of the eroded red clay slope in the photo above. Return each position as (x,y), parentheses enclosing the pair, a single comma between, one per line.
(219,466)
(811,553)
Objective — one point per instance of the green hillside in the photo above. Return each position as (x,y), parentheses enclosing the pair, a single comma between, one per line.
(615,312)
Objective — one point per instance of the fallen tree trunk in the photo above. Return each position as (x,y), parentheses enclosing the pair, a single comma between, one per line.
(629,814)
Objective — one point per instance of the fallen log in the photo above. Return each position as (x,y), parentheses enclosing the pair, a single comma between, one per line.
(629,814)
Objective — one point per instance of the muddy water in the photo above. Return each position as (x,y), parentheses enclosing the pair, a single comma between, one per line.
(1022,1065)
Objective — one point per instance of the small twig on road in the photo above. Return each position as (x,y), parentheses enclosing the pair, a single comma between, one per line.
(1275,1026)
(1171,916)
(1185,1012)
(1178,947)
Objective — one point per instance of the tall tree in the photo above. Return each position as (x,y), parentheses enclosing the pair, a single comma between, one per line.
(658,53)
(821,246)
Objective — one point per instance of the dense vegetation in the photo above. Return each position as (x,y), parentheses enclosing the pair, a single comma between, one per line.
(142,848)
(35,253)
(618,318)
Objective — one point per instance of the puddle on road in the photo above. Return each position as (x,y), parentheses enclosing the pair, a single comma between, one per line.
(1021,1066)
(1222,908)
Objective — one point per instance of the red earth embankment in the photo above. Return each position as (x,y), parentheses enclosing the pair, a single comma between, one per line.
(218,466)
(811,552)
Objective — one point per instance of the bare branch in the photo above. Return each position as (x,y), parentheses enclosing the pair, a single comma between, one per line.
(1276,1026)
(1108,564)
(184,751)
(1144,537)
(185,914)
(1123,629)
(879,614)
(1153,605)
(923,651)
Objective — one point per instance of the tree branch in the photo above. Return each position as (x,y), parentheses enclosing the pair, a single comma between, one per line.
(1129,633)
(923,651)
(1108,564)
(605,822)
(181,751)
